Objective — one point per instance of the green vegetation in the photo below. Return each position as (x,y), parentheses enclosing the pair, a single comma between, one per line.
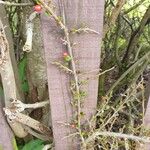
(121,99)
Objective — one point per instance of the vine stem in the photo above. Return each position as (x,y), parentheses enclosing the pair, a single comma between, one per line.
(70,51)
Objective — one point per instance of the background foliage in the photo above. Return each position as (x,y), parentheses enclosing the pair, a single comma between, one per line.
(121,101)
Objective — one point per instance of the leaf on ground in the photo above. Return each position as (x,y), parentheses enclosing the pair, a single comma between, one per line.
(34,145)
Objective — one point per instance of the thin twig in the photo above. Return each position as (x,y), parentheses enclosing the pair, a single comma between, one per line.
(15,4)
(84,29)
(97,75)
(105,71)
(118,135)
(70,135)
(62,66)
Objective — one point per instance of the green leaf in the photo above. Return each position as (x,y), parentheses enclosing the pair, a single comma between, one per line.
(1,147)
(34,145)
(67,58)
(14,144)
(22,74)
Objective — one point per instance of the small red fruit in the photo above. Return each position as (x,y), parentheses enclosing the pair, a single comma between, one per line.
(37,8)
(73,126)
(65,54)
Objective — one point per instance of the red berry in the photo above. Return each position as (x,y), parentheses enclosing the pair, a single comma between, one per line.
(73,126)
(37,8)
(65,54)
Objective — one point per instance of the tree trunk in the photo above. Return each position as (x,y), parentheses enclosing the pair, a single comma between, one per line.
(146,123)
(11,84)
(36,68)
(6,136)
(78,13)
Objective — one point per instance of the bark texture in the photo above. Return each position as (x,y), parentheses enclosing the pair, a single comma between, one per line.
(6,136)
(78,13)
(146,123)
(8,70)
(36,67)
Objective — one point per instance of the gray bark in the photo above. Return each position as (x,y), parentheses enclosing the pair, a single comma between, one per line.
(6,136)
(87,56)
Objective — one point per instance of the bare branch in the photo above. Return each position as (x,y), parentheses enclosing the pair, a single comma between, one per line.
(9,77)
(117,135)
(114,15)
(62,66)
(135,36)
(20,106)
(26,120)
(146,56)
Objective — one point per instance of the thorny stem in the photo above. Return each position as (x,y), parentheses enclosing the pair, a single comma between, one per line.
(62,66)
(66,32)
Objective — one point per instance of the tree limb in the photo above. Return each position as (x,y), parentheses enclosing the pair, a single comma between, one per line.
(114,15)
(135,36)
(9,77)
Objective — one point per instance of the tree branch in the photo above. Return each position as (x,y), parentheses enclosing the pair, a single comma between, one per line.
(114,15)
(9,77)
(134,7)
(135,36)
(117,135)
